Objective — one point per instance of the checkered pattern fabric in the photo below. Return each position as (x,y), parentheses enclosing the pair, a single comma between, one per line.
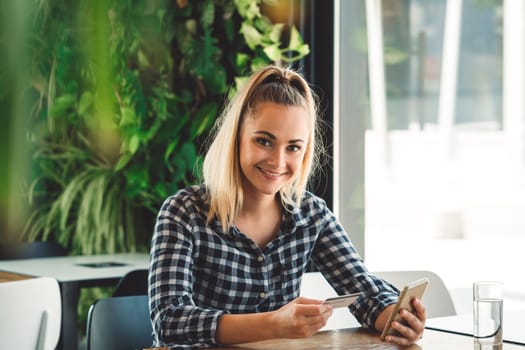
(198,272)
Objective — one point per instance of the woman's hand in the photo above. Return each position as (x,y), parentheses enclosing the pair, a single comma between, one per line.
(300,318)
(412,331)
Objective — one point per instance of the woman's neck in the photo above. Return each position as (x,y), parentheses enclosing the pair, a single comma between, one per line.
(260,218)
(259,205)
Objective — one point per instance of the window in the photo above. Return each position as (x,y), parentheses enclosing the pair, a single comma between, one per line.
(431,111)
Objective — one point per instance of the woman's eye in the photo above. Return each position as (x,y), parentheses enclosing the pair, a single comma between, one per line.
(294,148)
(263,142)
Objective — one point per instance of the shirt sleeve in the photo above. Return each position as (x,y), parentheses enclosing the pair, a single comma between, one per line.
(340,263)
(175,318)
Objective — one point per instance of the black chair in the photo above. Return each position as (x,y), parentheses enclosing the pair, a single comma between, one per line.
(29,250)
(120,323)
(133,283)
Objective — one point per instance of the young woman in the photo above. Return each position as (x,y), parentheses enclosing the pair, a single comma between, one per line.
(227,256)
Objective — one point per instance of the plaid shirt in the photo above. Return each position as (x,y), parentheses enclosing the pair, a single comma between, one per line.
(198,272)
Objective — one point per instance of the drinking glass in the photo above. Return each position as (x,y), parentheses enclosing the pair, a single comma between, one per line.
(488,315)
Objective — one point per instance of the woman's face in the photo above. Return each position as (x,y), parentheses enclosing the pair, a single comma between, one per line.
(272,145)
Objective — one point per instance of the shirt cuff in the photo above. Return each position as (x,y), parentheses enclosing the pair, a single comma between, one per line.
(189,326)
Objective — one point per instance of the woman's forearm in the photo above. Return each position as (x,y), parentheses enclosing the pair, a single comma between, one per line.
(300,318)
(244,328)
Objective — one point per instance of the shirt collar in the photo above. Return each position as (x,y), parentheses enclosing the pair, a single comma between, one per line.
(293,218)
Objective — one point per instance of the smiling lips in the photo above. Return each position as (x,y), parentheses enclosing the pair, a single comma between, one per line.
(269,173)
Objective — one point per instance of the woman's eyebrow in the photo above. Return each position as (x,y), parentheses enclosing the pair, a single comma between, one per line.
(269,134)
(273,137)
(296,141)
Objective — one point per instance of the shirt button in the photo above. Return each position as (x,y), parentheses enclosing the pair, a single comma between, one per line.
(260,258)
(262,295)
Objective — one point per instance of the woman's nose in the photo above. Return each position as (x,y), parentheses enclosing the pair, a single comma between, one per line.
(278,158)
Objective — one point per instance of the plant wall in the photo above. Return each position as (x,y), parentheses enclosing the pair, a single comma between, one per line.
(124,94)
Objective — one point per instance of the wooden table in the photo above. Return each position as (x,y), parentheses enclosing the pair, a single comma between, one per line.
(361,339)
(74,273)
(10,277)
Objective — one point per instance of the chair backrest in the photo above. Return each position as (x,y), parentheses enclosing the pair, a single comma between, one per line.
(314,285)
(28,250)
(119,323)
(133,283)
(437,299)
(30,314)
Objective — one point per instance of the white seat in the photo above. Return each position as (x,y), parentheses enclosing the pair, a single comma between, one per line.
(437,299)
(31,314)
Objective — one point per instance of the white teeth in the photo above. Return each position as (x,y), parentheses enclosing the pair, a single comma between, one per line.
(269,172)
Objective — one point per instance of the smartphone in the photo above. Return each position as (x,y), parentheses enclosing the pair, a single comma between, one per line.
(342,300)
(408,293)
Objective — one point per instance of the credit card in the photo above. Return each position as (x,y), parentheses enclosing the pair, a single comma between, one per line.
(342,300)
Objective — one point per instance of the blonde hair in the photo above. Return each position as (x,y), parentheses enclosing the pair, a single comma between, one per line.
(221,168)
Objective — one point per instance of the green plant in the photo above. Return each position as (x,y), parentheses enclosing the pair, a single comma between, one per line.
(126,93)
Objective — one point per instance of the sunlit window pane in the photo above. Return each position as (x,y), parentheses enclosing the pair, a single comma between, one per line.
(444,154)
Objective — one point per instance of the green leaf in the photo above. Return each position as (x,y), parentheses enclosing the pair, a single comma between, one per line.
(161,14)
(203,119)
(160,190)
(157,124)
(275,33)
(189,154)
(134,144)
(251,35)
(68,197)
(248,9)
(123,161)
(296,47)
(208,14)
(62,104)
(127,116)
(171,147)
(86,101)
(191,26)
(143,59)
(303,50)
(273,52)
(259,63)
(295,39)
(241,60)
(263,25)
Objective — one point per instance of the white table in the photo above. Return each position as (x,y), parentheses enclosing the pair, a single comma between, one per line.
(513,325)
(74,273)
